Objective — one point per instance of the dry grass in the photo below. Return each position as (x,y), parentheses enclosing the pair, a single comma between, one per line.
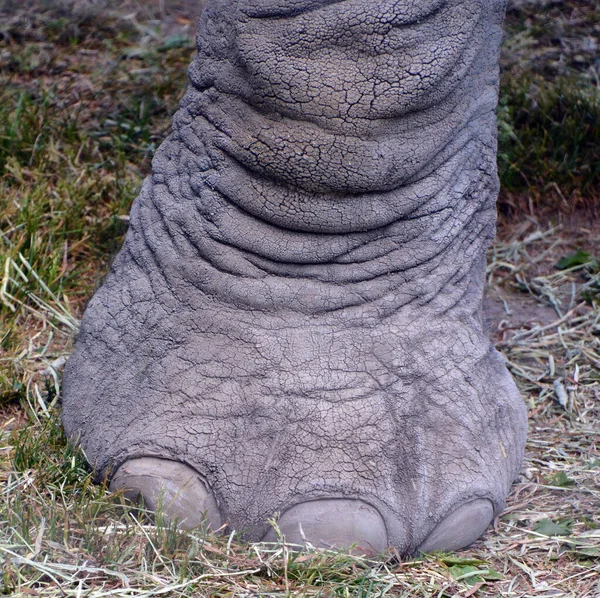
(83,103)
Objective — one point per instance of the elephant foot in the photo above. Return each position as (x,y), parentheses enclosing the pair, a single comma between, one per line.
(345,524)
(333,523)
(174,487)
(461,527)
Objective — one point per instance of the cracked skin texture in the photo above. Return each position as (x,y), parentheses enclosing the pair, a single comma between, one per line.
(296,313)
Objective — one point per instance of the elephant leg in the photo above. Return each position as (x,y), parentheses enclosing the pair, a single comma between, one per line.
(294,324)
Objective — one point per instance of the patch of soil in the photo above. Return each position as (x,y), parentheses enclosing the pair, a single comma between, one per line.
(552,37)
(157,18)
(174,16)
(12,417)
(504,311)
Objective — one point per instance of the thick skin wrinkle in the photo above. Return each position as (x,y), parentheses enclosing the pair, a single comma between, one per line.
(295,316)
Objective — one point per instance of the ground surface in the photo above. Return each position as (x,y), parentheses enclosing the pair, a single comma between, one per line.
(86,92)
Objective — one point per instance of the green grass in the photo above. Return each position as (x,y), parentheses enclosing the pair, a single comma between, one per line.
(72,157)
(549,108)
(549,137)
(62,196)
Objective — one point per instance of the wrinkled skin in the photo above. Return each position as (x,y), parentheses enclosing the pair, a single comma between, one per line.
(296,315)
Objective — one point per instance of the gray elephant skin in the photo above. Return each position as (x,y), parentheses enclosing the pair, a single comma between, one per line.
(294,324)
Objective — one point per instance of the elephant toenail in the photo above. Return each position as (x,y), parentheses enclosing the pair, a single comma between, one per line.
(461,527)
(333,523)
(174,487)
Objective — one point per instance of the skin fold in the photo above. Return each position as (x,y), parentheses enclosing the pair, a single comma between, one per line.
(295,318)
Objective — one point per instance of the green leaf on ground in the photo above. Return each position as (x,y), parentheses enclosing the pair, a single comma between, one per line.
(176,41)
(472,575)
(581,258)
(455,560)
(590,552)
(562,480)
(547,527)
